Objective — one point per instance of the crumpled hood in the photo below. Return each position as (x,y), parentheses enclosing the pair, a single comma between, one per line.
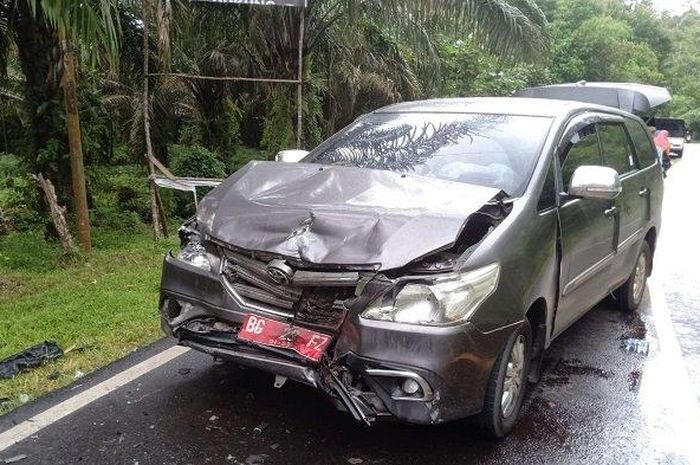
(333,215)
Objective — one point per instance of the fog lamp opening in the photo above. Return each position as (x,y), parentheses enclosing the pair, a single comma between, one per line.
(410,386)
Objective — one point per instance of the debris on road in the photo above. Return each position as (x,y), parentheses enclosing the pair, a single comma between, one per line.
(16,458)
(636,346)
(32,357)
(260,428)
(256,459)
(355,461)
(633,380)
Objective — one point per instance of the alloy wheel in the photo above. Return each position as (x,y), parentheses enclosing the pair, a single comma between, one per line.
(513,381)
(640,276)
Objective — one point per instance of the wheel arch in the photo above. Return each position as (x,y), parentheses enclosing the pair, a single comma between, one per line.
(651,238)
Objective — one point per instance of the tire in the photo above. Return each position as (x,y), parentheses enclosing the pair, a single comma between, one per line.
(493,421)
(680,154)
(625,295)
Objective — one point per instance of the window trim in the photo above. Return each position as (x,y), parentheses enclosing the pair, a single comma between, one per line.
(652,146)
(568,134)
(552,169)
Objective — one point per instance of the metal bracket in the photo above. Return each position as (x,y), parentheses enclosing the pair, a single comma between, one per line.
(280,381)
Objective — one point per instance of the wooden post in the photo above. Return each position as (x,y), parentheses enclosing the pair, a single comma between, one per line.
(57,214)
(70,100)
(155,198)
(300,85)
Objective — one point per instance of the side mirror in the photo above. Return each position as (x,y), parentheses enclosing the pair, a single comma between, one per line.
(291,156)
(595,182)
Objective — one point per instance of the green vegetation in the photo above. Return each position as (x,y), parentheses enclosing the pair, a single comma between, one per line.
(99,307)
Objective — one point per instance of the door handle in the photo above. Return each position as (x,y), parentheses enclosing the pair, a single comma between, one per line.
(644,192)
(610,212)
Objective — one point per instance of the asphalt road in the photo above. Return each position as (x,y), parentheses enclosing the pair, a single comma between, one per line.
(596,403)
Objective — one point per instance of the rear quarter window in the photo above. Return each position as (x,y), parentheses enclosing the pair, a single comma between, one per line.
(643,146)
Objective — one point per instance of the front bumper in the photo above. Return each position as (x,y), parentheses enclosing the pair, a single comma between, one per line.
(365,368)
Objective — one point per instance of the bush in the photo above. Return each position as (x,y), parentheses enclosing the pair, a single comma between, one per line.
(195,161)
(278,133)
(19,197)
(244,155)
(120,196)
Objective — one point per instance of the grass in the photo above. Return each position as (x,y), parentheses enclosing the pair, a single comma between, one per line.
(98,307)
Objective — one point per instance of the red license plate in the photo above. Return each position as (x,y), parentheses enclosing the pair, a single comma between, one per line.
(273,333)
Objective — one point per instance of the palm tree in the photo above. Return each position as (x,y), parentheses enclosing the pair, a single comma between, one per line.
(355,49)
(44,32)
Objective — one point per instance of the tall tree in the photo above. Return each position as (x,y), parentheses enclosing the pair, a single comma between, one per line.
(36,26)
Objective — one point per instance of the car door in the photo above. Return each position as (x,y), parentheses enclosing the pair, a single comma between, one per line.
(587,229)
(649,167)
(632,205)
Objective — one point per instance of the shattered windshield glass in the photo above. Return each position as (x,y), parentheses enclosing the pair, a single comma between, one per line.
(497,151)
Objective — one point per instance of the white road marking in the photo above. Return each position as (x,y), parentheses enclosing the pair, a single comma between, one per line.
(668,400)
(51,415)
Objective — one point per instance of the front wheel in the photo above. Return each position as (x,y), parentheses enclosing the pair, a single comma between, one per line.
(629,295)
(506,388)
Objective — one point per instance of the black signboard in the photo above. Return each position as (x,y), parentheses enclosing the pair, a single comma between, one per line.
(257,2)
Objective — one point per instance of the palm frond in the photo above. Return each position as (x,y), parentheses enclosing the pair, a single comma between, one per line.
(86,22)
(509,28)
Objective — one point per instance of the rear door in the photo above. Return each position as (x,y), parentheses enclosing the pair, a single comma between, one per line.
(619,155)
(631,208)
(587,230)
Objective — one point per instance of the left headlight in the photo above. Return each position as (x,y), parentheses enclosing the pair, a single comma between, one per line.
(444,300)
(194,253)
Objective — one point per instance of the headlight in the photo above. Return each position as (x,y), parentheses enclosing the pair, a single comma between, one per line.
(194,253)
(445,300)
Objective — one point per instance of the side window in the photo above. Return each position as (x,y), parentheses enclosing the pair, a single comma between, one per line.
(548,197)
(617,153)
(643,146)
(582,149)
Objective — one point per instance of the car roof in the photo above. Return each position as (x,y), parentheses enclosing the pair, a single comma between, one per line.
(631,97)
(663,118)
(498,105)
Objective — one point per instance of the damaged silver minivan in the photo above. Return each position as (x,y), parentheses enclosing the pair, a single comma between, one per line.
(417,264)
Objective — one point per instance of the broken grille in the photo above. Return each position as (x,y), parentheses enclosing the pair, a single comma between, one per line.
(305,302)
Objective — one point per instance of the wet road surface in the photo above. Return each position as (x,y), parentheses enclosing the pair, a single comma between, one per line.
(595,403)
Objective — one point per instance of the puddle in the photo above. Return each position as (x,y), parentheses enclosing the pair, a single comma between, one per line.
(635,327)
(541,420)
(561,372)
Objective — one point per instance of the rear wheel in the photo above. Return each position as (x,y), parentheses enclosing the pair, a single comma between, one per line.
(630,294)
(507,384)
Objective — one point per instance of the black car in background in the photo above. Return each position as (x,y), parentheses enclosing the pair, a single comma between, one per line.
(677,132)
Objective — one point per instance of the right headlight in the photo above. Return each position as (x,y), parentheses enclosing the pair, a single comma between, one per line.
(440,301)
(194,253)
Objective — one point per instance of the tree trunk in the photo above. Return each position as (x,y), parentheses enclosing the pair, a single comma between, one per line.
(156,209)
(58,214)
(36,44)
(70,100)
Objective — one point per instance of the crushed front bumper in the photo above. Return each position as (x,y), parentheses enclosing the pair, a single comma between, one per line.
(366,370)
